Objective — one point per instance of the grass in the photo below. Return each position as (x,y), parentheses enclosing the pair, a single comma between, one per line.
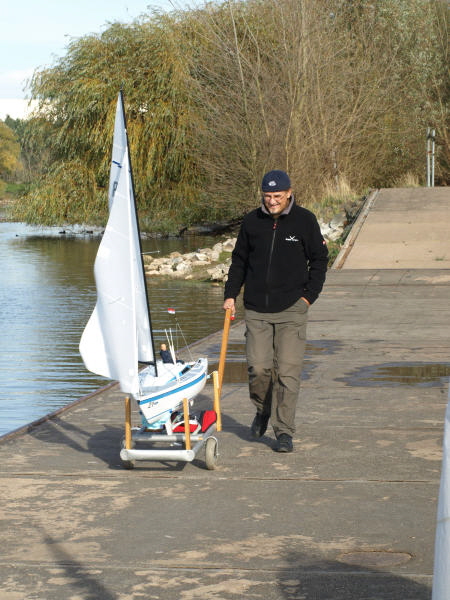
(407,180)
(335,195)
(15,190)
(333,250)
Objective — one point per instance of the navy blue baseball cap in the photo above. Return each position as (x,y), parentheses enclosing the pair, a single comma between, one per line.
(276,181)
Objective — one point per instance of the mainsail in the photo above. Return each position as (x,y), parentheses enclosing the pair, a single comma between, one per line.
(118,151)
(118,334)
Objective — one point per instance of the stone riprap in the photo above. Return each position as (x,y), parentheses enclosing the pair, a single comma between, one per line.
(202,264)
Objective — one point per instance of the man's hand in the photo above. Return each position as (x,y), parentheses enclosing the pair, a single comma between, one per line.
(230,304)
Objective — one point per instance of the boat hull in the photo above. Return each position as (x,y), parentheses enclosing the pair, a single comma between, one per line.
(161,396)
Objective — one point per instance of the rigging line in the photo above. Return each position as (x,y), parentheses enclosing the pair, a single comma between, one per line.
(184,340)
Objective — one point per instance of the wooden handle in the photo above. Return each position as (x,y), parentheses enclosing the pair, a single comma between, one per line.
(127,423)
(216,405)
(187,427)
(223,349)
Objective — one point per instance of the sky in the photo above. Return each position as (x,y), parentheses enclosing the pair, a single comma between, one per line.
(35,34)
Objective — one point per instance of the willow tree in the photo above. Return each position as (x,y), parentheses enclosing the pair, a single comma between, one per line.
(73,125)
(10,163)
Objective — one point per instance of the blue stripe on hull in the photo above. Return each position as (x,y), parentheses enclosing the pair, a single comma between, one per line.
(175,390)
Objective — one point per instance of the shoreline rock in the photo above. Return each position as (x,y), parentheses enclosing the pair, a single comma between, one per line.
(203,265)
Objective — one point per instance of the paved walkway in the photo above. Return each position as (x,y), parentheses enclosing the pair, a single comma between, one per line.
(350,515)
(405,228)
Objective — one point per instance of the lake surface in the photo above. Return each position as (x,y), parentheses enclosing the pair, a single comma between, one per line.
(47,293)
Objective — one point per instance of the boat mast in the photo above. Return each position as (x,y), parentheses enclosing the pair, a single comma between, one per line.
(122,103)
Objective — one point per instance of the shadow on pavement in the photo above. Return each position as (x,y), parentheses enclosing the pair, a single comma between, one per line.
(309,579)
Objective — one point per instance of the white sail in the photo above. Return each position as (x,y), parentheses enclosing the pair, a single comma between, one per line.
(118,333)
(118,151)
(120,146)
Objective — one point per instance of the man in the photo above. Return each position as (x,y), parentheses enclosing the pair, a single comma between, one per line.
(281,258)
(166,355)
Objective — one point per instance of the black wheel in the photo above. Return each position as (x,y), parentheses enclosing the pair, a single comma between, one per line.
(128,464)
(211,453)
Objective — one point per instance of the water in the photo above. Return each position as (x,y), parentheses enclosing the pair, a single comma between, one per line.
(418,374)
(47,293)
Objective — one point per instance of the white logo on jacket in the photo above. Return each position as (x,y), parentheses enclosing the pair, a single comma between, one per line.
(291,238)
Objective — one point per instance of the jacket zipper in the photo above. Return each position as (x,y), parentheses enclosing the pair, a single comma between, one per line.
(274,232)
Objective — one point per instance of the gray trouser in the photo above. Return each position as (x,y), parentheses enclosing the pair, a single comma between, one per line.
(275,345)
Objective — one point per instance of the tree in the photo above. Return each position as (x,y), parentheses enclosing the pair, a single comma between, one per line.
(337,92)
(9,154)
(74,121)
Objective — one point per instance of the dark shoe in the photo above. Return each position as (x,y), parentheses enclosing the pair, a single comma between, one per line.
(284,443)
(259,426)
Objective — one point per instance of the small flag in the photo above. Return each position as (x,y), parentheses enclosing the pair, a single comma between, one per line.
(171,311)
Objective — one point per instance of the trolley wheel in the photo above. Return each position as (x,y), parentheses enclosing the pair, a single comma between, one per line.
(211,453)
(127,464)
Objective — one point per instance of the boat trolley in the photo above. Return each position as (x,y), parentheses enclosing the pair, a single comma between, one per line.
(178,447)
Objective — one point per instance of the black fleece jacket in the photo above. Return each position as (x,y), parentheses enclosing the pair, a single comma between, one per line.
(278,260)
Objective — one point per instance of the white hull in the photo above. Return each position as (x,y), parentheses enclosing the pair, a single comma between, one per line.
(160,396)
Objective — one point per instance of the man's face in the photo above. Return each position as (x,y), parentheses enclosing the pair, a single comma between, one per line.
(276,202)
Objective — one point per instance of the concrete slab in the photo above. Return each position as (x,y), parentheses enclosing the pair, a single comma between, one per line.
(349,515)
(401,229)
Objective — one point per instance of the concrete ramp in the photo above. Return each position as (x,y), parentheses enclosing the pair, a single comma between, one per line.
(400,228)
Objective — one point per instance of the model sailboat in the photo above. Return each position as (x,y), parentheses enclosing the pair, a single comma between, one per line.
(118,335)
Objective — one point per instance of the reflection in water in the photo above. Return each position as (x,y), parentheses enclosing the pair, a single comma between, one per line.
(394,374)
(235,365)
(47,293)
(323,347)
